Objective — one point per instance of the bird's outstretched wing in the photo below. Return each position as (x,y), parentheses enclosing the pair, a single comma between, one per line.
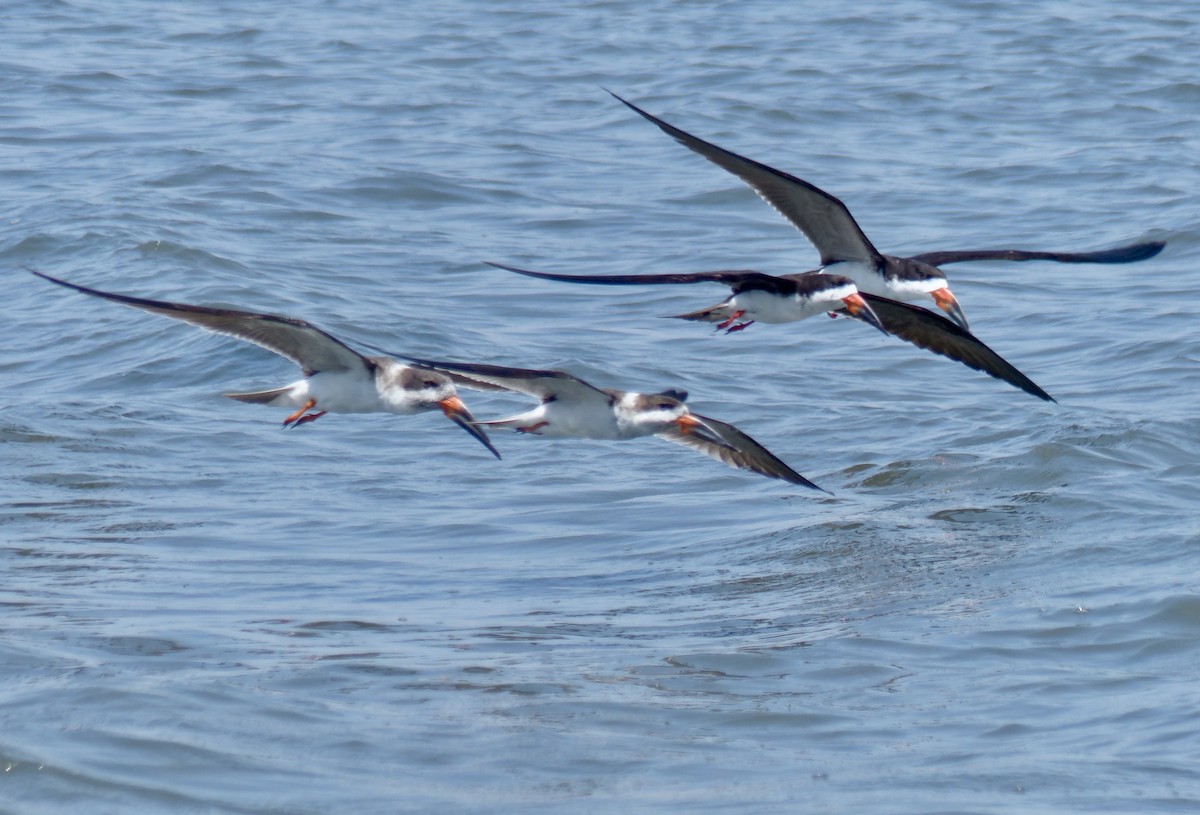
(935,333)
(1121,254)
(824,220)
(734,278)
(538,383)
(301,342)
(739,451)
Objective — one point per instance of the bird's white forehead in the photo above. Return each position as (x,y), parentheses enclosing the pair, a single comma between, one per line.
(841,292)
(911,289)
(644,402)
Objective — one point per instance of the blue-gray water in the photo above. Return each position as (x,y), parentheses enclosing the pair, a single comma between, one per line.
(997,612)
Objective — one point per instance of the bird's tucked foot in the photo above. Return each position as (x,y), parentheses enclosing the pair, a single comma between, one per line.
(739,327)
(733,318)
(295,418)
(312,417)
(533,428)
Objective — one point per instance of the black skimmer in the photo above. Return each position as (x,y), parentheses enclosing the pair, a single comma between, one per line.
(570,407)
(847,251)
(787,298)
(337,379)
(756,297)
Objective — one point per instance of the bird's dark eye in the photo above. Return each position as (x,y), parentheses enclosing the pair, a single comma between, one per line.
(430,383)
(665,406)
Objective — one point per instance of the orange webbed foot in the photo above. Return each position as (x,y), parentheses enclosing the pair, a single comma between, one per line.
(297,417)
(312,417)
(733,318)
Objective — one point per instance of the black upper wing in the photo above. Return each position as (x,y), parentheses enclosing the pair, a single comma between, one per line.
(1122,254)
(824,220)
(737,279)
(302,342)
(543,384)
(935,333)
(739,451)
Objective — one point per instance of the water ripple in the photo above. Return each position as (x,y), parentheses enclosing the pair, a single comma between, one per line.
(994,612)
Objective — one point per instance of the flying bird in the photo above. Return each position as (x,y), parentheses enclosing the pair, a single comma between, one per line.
(337,379)
(570,407)
(846,250)
(787,298)
(756,297)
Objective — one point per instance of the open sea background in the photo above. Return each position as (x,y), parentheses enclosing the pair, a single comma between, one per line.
(997,612)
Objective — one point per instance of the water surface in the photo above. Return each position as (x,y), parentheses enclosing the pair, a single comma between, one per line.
(997,610)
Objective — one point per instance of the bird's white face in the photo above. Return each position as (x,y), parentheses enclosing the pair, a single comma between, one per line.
(915,289)
(645,414)
(934,285)
(835,297)
(423,388)
(433,392)
(413,390)
(649,413)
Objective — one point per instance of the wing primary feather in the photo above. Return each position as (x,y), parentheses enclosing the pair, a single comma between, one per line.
(1121,254)
(824,219)
(741,452)
(295,339)
(539,383)
(727,277)
(935,333)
